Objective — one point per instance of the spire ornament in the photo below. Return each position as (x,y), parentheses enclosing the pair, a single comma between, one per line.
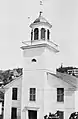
(41,6)
(40,13)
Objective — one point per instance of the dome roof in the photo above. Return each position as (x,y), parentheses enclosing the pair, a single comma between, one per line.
(41,20)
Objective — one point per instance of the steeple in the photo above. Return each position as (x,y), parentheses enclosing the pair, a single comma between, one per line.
(40,28)
(41,33)
(39,56)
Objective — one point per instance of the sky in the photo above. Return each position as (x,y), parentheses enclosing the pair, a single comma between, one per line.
(14,28)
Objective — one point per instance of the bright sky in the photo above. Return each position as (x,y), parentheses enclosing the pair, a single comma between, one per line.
(14,28)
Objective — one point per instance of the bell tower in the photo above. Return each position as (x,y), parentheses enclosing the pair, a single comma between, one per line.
(40,29)
(40,39)
(39,54)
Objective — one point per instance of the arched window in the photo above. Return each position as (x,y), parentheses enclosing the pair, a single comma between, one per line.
(43,33)
(48,34)
(36,34)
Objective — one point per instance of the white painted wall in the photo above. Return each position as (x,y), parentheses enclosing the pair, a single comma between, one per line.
(46,59)
(50,96)
(0,108)
(46,99)
(51,60)
(34,76)
(36,53)
(76,100)
(8,102)
(33,79)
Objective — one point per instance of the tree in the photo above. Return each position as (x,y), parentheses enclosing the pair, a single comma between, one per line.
(74,115)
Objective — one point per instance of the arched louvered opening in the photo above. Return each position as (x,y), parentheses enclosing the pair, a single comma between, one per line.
(43,33)
(36,34)
(31,35)
(48,34)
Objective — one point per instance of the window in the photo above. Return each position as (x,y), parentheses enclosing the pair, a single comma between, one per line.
(14,94)
(48,33)
(43,33)
(60,94)
(36,33)
(14,113)
(61,114)
(32,94)
(33,60)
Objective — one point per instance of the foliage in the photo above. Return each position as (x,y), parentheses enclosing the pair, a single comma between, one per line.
(52,116)
(74,115)
(9,75)
(64,69)
(68,70)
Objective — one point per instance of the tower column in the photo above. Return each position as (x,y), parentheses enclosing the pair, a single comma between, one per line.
(45,34)
(39,33)
(33,34)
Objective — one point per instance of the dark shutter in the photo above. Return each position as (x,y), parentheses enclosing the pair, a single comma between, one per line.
(14,113)
(48,33)
(14,94)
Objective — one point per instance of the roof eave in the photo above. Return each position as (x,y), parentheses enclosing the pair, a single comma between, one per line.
(8,85)
(41,23)
(39,45)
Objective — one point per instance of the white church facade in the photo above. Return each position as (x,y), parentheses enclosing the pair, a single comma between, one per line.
(40,89)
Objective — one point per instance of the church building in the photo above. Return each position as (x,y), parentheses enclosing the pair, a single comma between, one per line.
(40,89)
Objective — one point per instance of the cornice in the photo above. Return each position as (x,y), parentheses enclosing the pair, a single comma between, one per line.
(40,45)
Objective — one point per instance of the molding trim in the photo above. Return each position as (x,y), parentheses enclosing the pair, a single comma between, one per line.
(30,108)
(40,45)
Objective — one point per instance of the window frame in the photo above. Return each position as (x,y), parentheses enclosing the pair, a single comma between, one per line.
(14,96)
(60,96)
(32,94)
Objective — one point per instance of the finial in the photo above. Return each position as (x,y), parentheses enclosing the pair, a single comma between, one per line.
(41,5)
(40,13)
(61,65)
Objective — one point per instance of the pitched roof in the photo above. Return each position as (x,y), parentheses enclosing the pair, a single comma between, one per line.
(10,83)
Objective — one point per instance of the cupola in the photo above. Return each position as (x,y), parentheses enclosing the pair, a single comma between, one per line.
(40,29)
(41,34)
